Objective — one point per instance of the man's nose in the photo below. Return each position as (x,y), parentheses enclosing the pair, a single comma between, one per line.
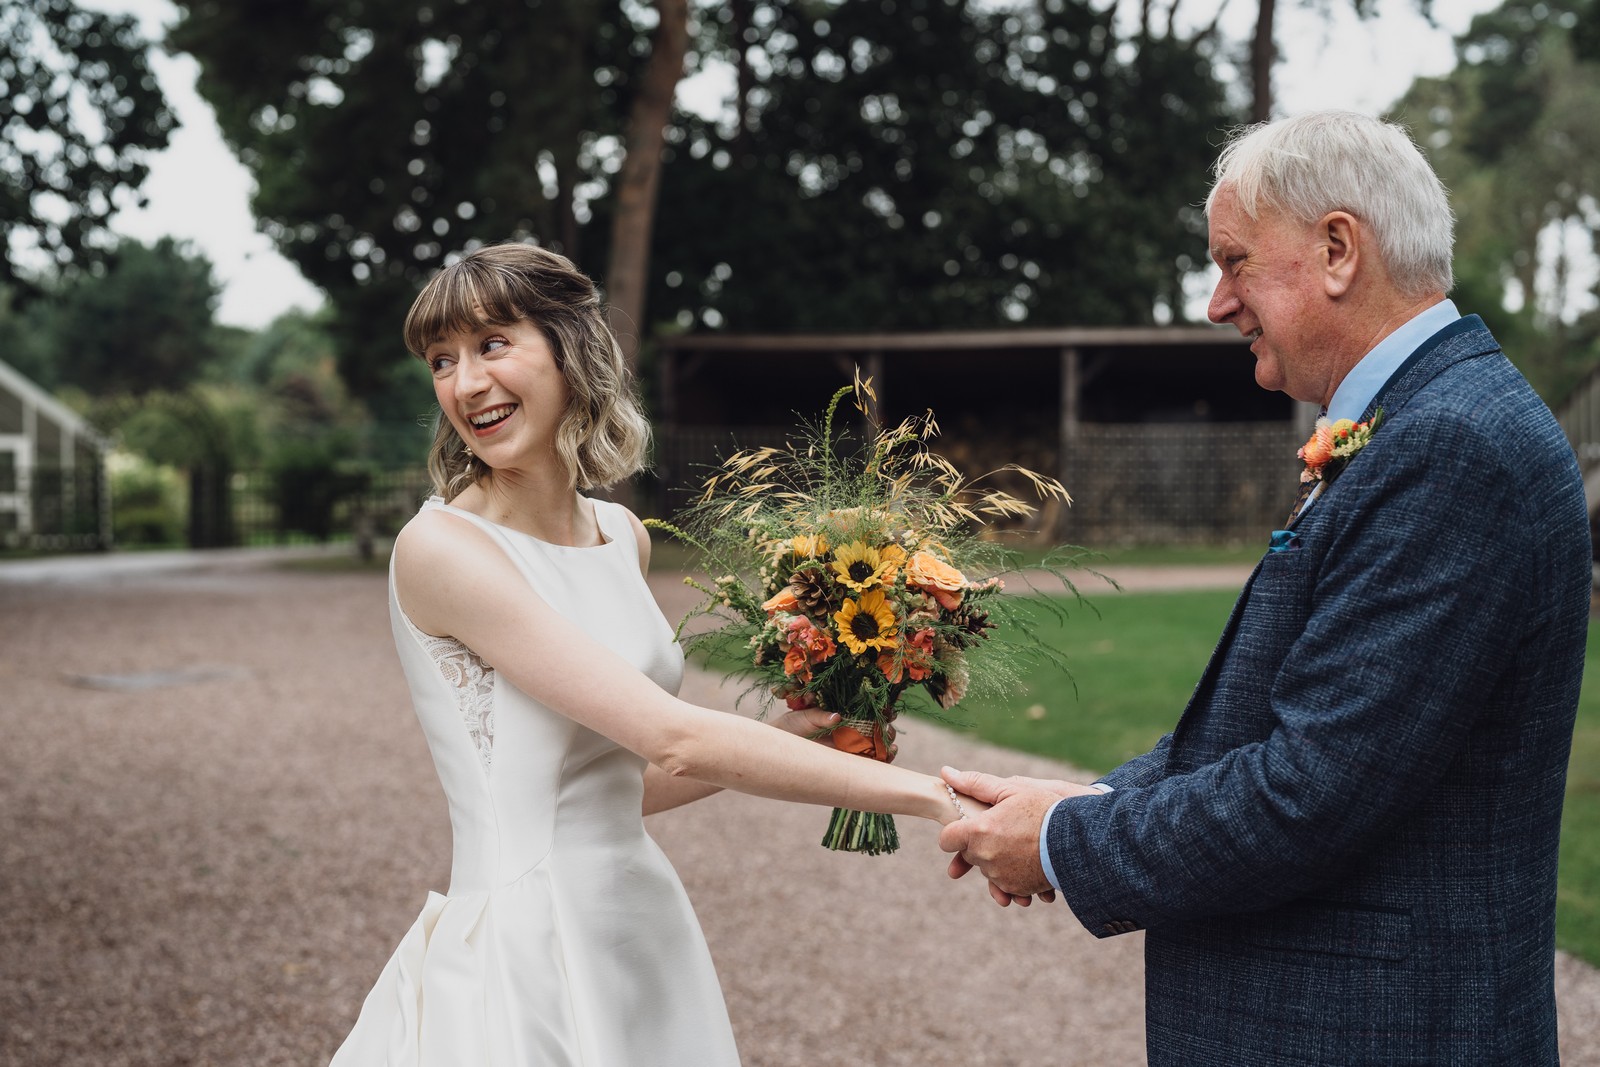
(1224,305)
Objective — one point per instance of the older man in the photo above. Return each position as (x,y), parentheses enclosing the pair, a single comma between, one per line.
(1345,851)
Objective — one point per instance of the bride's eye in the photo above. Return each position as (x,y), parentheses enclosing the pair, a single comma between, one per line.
(493,343)
(440,363)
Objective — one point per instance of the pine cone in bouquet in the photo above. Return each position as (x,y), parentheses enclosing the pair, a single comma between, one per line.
(813,590)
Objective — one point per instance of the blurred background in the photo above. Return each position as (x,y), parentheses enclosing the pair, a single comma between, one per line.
(217,213)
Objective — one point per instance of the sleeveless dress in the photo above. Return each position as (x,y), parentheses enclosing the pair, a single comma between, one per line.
(566,938)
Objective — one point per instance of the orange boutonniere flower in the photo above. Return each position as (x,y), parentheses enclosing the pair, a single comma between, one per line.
(1333,445)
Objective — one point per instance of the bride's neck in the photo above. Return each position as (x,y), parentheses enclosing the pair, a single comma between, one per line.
(545,507)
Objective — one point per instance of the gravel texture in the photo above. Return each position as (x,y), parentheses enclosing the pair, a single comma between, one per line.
(218,816)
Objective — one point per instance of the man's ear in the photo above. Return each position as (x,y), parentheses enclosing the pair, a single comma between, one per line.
(1340,240)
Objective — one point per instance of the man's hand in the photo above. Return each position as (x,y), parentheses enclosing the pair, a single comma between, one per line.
(1003,842)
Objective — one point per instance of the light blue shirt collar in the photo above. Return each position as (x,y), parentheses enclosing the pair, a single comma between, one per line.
(1350,400)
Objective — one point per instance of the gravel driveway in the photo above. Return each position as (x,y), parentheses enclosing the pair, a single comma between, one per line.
(217,817)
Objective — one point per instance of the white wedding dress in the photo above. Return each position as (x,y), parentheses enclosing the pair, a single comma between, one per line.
(566,938)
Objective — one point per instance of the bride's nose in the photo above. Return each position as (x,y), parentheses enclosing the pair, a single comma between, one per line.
(471,378)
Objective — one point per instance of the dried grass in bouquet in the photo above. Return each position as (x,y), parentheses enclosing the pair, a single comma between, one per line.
(854,582)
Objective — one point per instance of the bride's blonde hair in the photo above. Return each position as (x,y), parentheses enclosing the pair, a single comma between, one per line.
(603,435)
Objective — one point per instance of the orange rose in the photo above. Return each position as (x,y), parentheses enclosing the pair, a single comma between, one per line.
(1319,449)
(936,578)
(783,600)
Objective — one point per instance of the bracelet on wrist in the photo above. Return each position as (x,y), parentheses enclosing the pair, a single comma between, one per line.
(961,811)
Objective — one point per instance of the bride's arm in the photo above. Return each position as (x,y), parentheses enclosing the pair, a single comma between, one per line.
(452,579)
(663,792)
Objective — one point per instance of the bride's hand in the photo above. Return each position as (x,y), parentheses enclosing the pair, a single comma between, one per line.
(817,725)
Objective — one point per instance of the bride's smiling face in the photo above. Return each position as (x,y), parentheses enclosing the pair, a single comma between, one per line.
(501,389)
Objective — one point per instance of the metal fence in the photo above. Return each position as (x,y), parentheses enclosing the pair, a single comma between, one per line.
(269,509)
(54,508)
(1200,483)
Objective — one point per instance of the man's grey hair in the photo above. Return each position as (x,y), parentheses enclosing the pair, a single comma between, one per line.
(1325,161)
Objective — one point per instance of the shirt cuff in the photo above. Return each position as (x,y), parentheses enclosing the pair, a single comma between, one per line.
(1044,836)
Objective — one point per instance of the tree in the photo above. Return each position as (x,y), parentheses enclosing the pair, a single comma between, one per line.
(145,325)
(917,164)
(639,179)
(385,136)
(79,112)
(1512,135)
(1264,45)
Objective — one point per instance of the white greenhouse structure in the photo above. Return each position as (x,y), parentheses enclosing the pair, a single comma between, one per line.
(53,490)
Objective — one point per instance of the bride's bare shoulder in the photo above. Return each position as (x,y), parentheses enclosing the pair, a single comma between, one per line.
(433,533)
(440,557)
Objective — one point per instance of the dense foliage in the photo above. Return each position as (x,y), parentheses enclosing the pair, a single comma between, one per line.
(1512,133)
(911,164)
(79,112)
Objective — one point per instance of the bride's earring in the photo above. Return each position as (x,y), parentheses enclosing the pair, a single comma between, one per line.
(467,449)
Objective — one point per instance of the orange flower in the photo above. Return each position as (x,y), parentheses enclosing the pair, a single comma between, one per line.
(783,600)
(914,658)
(1317,450)
(804,646)
(936,578)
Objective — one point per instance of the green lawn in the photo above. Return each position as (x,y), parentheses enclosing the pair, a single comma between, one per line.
(1134,666)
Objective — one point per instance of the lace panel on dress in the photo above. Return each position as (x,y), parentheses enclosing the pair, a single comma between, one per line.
(474,683)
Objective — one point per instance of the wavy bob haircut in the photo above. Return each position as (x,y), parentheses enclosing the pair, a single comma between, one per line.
(1325,161)
(603,434)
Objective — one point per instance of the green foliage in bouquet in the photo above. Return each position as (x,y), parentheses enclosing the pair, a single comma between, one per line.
(853,582)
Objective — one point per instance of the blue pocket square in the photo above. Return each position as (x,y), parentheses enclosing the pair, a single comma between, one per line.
(1284,541)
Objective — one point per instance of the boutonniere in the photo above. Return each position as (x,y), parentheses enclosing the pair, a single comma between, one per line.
(1333,445)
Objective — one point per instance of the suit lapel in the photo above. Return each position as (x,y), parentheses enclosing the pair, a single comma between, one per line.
(1463,339)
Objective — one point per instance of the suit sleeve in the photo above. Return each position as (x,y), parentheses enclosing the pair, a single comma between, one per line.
(1141,770)
(1415,612)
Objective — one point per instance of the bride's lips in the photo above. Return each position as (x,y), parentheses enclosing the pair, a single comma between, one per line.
(489,420)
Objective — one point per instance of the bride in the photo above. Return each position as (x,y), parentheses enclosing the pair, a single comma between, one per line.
(543,676)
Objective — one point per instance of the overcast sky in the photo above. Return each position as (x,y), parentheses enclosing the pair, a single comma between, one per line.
(198,192)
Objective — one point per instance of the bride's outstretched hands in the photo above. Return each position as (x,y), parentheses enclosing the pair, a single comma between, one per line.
(1003,841)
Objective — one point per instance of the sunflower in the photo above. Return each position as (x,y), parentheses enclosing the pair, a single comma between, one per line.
(860,566)
(868,622)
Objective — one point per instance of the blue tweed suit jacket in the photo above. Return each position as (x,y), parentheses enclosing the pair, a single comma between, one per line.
(1345,852)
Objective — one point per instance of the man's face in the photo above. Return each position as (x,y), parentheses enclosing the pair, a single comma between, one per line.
(1271,290)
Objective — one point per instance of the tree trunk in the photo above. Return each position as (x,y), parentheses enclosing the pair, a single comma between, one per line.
(1262,56)
(745,77)
(637,182)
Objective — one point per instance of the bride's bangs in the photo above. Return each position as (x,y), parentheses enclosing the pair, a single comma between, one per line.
(464,297)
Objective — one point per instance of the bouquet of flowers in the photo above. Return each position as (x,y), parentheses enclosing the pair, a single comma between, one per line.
(851,583)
